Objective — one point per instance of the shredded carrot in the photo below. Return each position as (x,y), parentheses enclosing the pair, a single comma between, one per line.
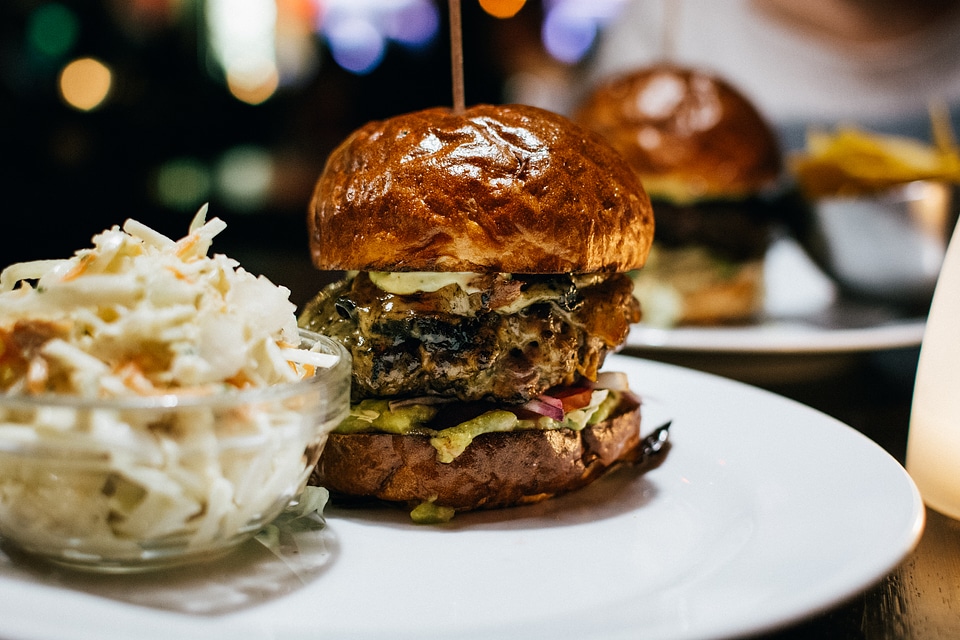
(186,244)
(304,370)
(134,378)
(179,275)
(240,380)
(78,268)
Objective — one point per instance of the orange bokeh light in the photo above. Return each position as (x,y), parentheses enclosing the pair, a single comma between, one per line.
(502,8)
(85,83)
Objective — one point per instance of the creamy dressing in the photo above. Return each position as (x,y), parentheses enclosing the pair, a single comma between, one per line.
(415,282)
(410,282)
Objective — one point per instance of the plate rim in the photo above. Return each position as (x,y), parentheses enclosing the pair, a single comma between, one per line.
(778,337)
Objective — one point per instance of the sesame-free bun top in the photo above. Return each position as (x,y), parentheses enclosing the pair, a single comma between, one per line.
(511,189)
(689,134)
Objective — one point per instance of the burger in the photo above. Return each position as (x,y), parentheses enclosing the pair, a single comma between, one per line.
(484,256)
(712,167)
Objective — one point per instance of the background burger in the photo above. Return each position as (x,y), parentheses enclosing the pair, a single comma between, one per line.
(711,165)
(485,255)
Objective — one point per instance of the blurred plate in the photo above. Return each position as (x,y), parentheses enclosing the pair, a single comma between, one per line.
(807,329)
(734,534)
(844,327)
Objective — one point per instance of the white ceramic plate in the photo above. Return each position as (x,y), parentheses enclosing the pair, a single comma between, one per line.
(765,511)
(803,314)
(810,335)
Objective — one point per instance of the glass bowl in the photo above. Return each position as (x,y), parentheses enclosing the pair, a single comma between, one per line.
(887,247)
(133,484)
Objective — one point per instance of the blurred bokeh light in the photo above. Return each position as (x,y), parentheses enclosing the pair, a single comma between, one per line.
(183,183)
(502,8)
(242,37)
(243,177)
(85,83)
(52,30)
(358,32)
(571,27)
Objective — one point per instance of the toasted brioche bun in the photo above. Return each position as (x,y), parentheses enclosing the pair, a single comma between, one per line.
(511,189)
(689,134)
(496,470)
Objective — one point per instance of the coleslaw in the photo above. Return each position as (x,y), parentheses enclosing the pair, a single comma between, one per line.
(140,415)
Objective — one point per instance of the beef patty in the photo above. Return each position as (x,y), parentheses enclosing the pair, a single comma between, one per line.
(510,339)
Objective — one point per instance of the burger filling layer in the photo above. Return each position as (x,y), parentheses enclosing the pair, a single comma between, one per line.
(500,338)
(416,418)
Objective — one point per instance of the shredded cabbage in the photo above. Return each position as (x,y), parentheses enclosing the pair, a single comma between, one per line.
(158,314)
(141,315)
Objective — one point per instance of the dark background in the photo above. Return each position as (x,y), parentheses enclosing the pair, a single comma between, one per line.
(69,174)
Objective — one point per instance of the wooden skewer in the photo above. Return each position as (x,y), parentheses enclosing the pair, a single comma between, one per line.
(456,56)
(670,26)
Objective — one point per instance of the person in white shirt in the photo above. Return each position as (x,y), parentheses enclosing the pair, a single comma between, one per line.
(879,64)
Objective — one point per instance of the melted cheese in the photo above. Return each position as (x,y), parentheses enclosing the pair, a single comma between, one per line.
(407,283)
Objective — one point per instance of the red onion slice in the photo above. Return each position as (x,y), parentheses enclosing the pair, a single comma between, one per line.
(546,406)
(407,402)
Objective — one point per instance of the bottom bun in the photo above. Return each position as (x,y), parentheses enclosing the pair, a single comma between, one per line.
(500,469)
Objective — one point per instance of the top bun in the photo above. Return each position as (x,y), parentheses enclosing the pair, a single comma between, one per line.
(689,134)
(511,189)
